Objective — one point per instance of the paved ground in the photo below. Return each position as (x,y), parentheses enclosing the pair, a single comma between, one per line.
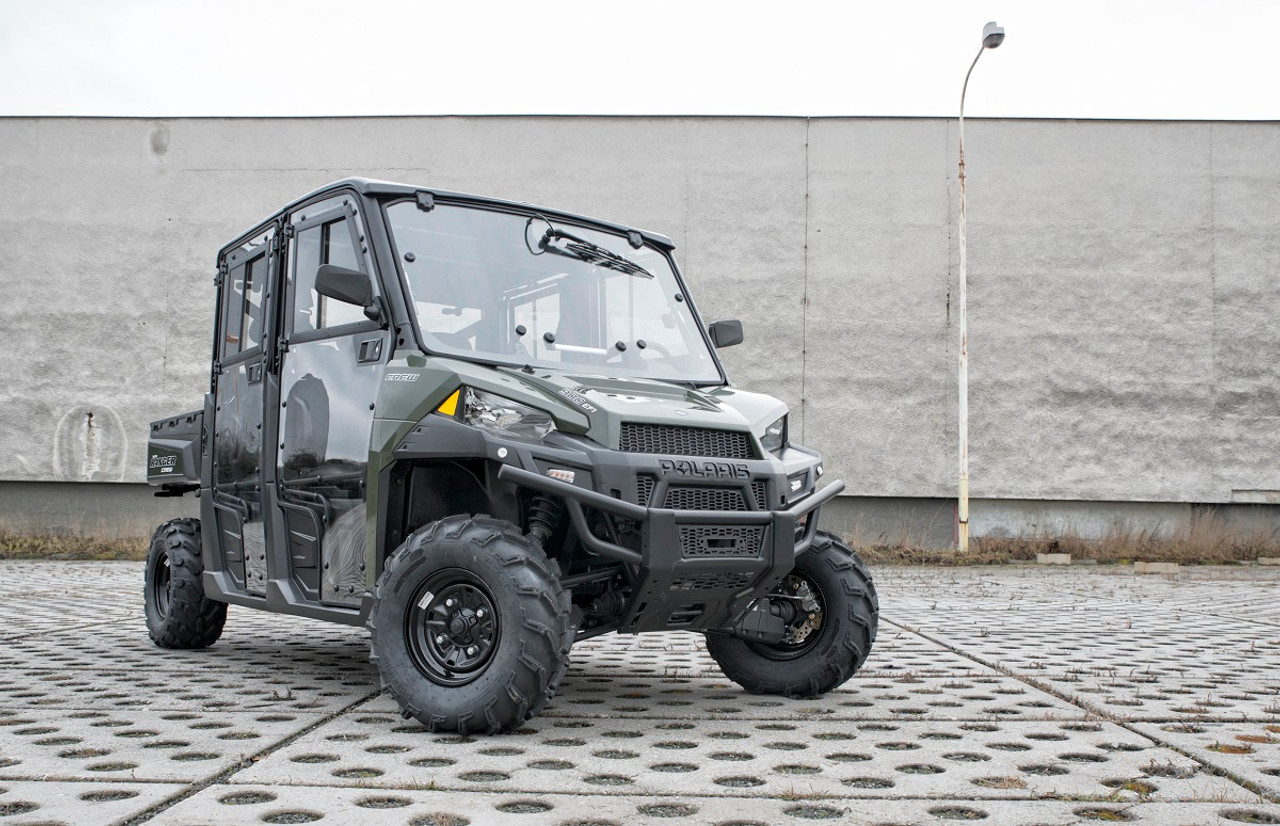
(1006,695)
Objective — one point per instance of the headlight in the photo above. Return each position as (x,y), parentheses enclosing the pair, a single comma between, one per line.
(775,436)
(504,417)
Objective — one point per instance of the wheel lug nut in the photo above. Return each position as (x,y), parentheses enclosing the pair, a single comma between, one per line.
(480,612)
(440,639)
(448,603)
(471,651)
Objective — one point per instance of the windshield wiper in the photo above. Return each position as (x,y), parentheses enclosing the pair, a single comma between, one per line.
(584,250)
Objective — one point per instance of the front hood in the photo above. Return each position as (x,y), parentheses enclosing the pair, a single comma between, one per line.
(608,402)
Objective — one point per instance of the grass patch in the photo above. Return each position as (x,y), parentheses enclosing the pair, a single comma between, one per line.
(1206,540)
(66,546)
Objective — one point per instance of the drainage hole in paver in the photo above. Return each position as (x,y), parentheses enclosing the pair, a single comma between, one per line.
(375,720)
(31,732)
(814,812)
(387,749)
(1154,769)
(79,754)
(578,823)
(1081,757)
(167,744)
(194,756)
(957,813)
(111,767)
(673,768)
(571,742)
(571,724)
(940,735)
(1043,769)
(607,780)
(732,756)
(383,802)
(108,795)
(203,726)
(832,735)
(482,776)
(1134,785)
(739,782)
(361,773)
(667,810)
(275,718)
(675,744)
(728,735)
(615,754)
(58,741)
(848,757)
(291,816)
(966,757)
(999,782)
(315,758)
(675,726)
(1248,816)
(502,751)
(239,735)
(551,765)
(1271,772)
(1009,746)
(431,762)
(920,768)
(898,746)
(524,807)
(137,733)
(1081,726)
(1103,813)
(1046,735)
(868,783)
(346,737)
(17,807)
(878,727)
(246,798)
(622,735)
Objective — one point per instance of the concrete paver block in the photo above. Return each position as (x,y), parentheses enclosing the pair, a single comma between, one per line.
(1156,567)
(1053,559)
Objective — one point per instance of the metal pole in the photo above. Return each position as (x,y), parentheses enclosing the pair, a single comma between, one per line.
(962,508)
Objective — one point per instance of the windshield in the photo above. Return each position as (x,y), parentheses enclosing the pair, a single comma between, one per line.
(524,290)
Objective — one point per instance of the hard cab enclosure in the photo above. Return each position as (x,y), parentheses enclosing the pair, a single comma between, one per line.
(483,430)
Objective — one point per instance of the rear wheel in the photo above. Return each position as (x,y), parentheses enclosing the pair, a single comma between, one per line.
(834,616)
(178,613)
(470,628)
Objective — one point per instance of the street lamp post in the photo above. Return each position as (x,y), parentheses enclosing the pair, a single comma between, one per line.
(992,36)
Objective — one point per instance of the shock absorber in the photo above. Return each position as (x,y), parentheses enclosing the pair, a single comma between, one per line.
(544,514)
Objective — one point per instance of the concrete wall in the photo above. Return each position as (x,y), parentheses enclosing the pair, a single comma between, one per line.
(1123,276)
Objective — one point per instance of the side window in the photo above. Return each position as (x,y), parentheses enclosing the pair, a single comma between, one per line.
(329,243)
(242,307)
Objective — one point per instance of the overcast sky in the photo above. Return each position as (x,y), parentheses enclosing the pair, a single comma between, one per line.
(1169,59)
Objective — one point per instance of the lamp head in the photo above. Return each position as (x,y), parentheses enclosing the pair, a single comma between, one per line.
(992,35)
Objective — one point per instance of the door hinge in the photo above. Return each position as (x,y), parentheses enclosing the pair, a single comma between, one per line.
(426,201)
(288,230)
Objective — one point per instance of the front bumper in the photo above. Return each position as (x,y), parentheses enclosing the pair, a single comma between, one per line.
(686,579)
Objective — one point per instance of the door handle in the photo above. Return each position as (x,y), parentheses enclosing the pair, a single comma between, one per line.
(370,350)
(255,372)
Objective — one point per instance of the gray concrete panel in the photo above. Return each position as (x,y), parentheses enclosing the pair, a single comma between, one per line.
(1122,279)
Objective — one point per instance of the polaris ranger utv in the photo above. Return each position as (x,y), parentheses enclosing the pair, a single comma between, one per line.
(485,430)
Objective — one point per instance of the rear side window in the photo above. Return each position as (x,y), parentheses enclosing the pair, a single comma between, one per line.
(242,307)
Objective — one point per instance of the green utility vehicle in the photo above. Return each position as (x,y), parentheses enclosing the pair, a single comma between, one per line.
(484,430)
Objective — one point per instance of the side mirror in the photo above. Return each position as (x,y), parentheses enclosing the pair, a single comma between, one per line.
(726,333)
(342,284)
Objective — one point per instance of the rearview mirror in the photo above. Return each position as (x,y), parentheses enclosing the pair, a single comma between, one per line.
(726,333)
(342,284)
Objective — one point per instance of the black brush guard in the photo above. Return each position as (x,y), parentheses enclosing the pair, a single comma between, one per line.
(672,590)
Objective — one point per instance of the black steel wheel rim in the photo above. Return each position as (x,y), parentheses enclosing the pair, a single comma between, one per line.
(452,627)
(794,650)
(162,586)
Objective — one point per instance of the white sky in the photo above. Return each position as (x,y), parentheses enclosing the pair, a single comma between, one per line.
(1168,59)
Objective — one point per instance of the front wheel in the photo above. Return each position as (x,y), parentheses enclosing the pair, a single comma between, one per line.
(834,615)
(470,627)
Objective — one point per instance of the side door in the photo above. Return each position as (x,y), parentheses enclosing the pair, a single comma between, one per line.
(331,359)
(239,369)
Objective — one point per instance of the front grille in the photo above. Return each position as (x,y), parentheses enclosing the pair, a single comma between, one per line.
(674,440)
(758,491)
(700,541)
(705,499)
(712,582)
(644,489)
